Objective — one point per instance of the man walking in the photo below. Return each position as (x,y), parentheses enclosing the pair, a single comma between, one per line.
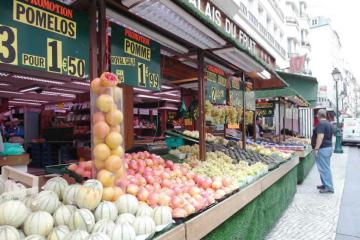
(322,145)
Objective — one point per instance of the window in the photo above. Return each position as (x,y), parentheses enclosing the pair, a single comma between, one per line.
(289,41)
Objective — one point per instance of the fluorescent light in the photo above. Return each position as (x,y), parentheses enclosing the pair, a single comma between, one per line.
(142,90)
(166,87)
(27,103)
(4,84)
(264,75)
(58,94)
(4,74)
(67,90)
(129,23)
(29,89)
(38,79)
(147,96)
(29,100)
(171,100)
(176,20)
(239,59)
(168,93)
(10,92)
(81,83)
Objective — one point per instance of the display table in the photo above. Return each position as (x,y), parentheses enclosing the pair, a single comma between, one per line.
(307,160)
(19,162)
(248,214)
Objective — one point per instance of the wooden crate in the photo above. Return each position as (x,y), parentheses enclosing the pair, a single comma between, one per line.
(28,180)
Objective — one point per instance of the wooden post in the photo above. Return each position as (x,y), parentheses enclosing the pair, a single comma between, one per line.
(102,37)
(279,102)
(201,84)
(254,118)
(244,109)
(93,42)
(284,120)
(292,120)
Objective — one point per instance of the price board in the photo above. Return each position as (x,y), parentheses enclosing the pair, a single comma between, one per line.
(44,35)
(250,100)
(215,85)
(135,59)
(265,109)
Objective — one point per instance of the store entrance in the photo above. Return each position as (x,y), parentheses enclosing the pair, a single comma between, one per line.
(45,118)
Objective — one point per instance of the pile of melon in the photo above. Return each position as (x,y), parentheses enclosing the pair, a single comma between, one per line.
(77,212)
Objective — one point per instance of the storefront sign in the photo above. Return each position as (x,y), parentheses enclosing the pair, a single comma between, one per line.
(215,85)
(229,27)
(250,101)
(44,35)
(135,59)
(265,109)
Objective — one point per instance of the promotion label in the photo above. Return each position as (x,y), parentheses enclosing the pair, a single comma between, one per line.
(135,59)
(265,109)
(44,35)
(250,100)
(235,93)
(215,85)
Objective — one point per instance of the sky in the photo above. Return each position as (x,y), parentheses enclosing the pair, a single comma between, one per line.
(345,19)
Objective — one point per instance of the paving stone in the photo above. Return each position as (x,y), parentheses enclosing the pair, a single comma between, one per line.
(312,215)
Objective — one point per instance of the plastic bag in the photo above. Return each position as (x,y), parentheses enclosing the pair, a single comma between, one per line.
(12,149)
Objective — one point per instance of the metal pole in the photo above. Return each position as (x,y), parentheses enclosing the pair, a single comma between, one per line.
(244,109)
(338,147)
(202,125)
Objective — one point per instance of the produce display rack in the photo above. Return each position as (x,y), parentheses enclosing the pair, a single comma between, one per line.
(179,134)
(204,223)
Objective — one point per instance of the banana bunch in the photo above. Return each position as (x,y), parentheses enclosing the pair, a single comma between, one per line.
(249,117)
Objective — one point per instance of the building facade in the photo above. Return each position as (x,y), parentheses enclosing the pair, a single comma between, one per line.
(264,21)
(297,32)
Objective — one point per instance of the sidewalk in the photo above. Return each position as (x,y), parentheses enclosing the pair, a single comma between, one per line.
(314,216)
(348,225)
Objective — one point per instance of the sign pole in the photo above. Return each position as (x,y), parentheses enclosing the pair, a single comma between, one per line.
(201,84)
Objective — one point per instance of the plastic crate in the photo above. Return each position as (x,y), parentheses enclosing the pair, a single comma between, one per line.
(174,142)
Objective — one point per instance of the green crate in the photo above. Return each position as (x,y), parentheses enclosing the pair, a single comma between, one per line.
(174,142)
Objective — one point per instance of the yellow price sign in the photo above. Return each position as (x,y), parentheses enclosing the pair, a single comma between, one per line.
(8,45)
(54,55)
(75,67)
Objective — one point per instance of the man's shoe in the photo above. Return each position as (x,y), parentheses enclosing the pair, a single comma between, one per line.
(320,187)
(326,191)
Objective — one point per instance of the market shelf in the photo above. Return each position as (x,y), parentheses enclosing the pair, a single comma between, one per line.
(176,233)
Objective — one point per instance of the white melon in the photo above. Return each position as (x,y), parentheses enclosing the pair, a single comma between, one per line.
(127,204)
(106,210)
(13,213)
(63,214)
(47,201)
(40,223)
(123,231)
(125,218)
(57,185)
(82,219)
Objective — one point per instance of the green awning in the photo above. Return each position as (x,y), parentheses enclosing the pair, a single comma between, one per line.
(288,92)
(307,86)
